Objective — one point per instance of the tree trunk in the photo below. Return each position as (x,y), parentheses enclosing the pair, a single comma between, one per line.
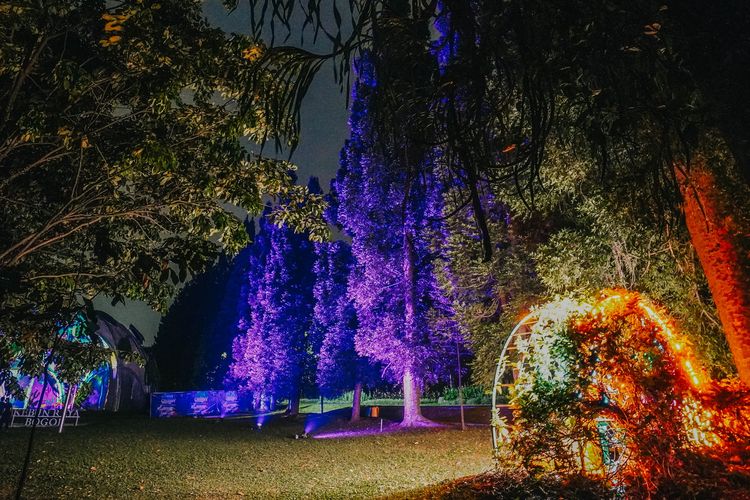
(262,403)
(356,402)
(412,411)
(460,389)
(293,407)
(719,242)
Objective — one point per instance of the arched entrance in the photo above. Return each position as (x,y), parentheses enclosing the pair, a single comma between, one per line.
(621,342)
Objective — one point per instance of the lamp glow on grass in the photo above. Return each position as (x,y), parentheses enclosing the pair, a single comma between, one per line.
(132,457)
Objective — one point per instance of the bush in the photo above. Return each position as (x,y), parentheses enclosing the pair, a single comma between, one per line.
(472,395)
(610,387)
(450,394)
(515,483)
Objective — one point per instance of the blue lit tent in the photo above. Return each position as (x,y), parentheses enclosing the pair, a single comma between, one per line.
(114,385)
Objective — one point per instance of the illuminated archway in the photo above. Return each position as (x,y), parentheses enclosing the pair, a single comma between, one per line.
(529,355)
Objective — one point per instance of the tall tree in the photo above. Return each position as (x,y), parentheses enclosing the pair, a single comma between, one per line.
(488,295)
(117,160)
(660,89)
(187,328)
(391,213)
(194,344)
(271,357)
(232,311)
(716,206)
(339,367)
(248,357)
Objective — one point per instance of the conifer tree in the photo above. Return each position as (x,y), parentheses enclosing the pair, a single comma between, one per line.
(339,367)
(272,353)
(392,211)
(186,330)
(231,313)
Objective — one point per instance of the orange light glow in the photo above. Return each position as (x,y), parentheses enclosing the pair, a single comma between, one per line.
(608,332)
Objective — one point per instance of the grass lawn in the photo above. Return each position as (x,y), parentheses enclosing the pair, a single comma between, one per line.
(134,457)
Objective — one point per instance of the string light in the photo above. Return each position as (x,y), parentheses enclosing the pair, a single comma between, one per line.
(638,367)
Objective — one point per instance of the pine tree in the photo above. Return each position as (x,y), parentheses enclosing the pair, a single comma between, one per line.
(272,355)
(230,318)
(391,210)
(186,330)
(339,367)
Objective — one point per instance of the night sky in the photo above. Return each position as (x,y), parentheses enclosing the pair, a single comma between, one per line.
(324,130)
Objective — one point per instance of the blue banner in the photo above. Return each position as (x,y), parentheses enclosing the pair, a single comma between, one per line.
(198,404)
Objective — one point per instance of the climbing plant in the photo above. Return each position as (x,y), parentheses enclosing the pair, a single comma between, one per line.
(608,386)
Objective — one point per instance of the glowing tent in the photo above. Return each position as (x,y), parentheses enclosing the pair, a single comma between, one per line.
(116,384)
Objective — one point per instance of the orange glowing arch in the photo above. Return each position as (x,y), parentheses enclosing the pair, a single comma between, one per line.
(535,332)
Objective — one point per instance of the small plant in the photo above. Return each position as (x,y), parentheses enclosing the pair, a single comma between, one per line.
(450,394)
(82,393)
(475,393)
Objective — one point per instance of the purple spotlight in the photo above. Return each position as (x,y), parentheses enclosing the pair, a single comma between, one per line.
(310,425)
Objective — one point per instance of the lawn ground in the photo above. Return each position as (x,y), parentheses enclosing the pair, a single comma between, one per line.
(134,457)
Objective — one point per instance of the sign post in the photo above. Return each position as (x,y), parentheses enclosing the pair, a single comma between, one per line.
(70,395)
(460,387)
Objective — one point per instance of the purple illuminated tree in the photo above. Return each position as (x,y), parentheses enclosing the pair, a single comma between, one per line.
(391,206)
(247,358)
(234,315)
(271,356)
(339,367)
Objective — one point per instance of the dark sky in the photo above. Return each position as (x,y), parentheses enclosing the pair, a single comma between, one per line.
(324,129)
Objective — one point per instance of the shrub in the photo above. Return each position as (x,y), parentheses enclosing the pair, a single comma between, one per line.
(611,388)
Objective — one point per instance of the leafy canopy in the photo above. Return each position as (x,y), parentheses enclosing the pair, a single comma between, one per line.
(122,148)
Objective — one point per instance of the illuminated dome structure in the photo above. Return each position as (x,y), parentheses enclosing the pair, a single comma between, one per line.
(511,364)
(619,340)
(115,385)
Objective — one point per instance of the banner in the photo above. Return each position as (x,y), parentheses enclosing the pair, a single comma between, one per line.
(198,404)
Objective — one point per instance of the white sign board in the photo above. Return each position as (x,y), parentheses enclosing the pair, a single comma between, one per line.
(44,418)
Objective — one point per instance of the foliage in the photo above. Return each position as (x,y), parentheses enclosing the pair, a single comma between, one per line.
(513,74)
(604,246)
(194,346)
(391,211)
(487,296)
(77,351)
(593,233)
(472,395)
(231,312)
(243,305)
(608,236)
(637,87)
(512,484)
(339,366)
(272,354)
(120,147)
(186,332)
(579,237)
(610,387)
(83,391)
